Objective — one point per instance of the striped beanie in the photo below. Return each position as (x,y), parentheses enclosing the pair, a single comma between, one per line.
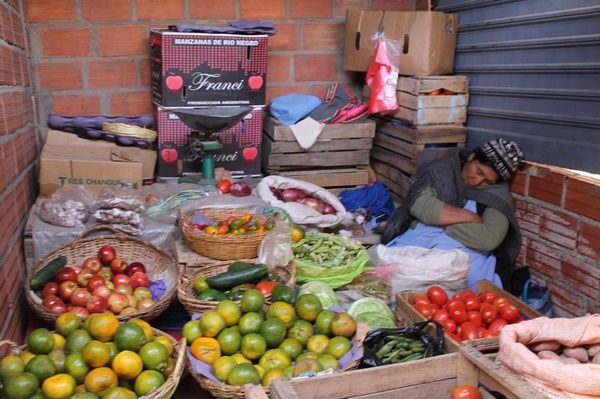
(504,156)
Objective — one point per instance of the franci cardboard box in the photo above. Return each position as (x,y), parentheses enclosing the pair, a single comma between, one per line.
(240,153)
(192,69)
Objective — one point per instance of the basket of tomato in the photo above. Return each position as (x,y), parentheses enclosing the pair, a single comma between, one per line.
(224,233)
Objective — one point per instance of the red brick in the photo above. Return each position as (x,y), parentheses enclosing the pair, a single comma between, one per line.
(17,109)
(276,91)
(588,241)
(583,275)
(8,213)
(59,42)
(558,311)
(19,33)
(423,5)
(278,67)
(122,40)
(583,197)
(558,227)
(112,73)
(315,67)
(222,9)
(340,6)
(10,61)
(144,68)
(312,9)
(262,9)
(60,75)
(286,37)
(393,5)
(74,105)
(319,90)
(106,10)
(518,185)
(55,10)
(131,104)
(322,36)
(545,184)
(543,259)
(164,9)
(568,298)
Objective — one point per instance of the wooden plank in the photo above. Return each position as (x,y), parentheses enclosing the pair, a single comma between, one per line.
(431,116)
(281,388)
(331,131)
(403,181)
(337,158)
(399,146)
(331,177)
(286,147)
(394,189)
(428,390)
(424,134)
(466,373)
(421,101)
(427,84)
(403,163)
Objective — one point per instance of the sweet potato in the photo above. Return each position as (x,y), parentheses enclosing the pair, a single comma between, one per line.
(578,353)
(545,346)
(593,350)
(548,355)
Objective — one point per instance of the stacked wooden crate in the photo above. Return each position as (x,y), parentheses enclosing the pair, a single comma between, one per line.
(427,126)
(339,159)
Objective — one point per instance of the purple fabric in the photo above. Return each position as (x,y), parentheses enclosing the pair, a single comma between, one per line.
(242,27)
(199,218)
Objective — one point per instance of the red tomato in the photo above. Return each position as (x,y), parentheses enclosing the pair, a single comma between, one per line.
(475,318)
(465,392)
(480,331)
(488,313)
(434,306)
(466,293)
(224,186)
(420,298)
(496,326)
(509,313)
(425,309)
(500,301)
(454,304)
(488,334)
(440,316)
(437,295)
(519,319)
(455,337)
(265,287)
(488,296)
(468,331)
(472,302)
(449,326)
(459,315)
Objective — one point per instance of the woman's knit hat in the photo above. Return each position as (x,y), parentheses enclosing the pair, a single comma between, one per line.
(504,156)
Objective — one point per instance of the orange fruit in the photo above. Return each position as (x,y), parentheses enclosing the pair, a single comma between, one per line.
(96,353)
(40,341)
(283,311)
(192,330)
(166,342)
(26,356)
(222,366)
(147,381)
(297,233)
(252,301)
(250,323)
(230,311)
(301,330)
(306,365)
(58,357)
(66,323)
(76,340)
(261,369)
(11,366)
(307,355)
(155,356)
(20,386)
(76,366)
(130,336)
(243,374)
(323,322)
(42,366)
(113,350)
(239,358)
(272,374)
(127,364)
(212,323)
(148,332)
(230,341)
(274,331)
(103,326)
(338,347)
(118,393)
(205,349)
(292,347)
(317,343)
(308,307)
(59,341)
(328,362)
(275,359)
(60,386)
(171,363)
(253,346)
(100,379)
(343,325)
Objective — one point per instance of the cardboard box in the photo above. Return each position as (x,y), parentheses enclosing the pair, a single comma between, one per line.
(427,39)
(69,160)
(240,153)
(204,69)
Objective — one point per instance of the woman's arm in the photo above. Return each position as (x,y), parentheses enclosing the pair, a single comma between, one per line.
(428,209)
(484,236)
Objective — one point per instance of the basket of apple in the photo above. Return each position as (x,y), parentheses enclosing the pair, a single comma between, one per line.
(117,273)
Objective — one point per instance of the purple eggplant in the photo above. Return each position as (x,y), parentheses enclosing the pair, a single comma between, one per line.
(93,134)
(109,137)
(125,141)
(143,144)
(80,123)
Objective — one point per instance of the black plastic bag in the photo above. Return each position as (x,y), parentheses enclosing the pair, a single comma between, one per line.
(375,340)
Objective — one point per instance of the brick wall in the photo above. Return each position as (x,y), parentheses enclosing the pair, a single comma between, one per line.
(19,147)
(91,57)
(559,213)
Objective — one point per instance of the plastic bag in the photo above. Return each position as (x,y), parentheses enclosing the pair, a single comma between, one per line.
(382,75)
(376,339)
(276,247)
(67,207)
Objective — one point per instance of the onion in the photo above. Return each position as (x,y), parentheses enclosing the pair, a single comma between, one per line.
(240,189)
(312,202)
(327,209)
(277,193)
(293,195)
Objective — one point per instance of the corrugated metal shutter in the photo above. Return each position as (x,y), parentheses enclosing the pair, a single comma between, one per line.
(534,71)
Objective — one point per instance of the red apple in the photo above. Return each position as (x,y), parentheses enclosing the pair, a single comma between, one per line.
(119,279)
(97,304)
(95,281)
(65,274)
(174,82)
(66,288)
(92,263)
(124,289)
(117,302)
(106,274)
(50,289)
(84,276)
(50,301)
(81,312)
(110,285)
(142,293)
(80,297)
(76,268)
(58,308)
(102,290)
(118,266)
(128,310)
(135,267)
(132,301)
(106,254)
(145,304)
(139,279)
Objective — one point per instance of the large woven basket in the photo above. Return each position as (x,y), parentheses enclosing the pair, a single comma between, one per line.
(185,286)
(166,390)
(158,265)
(221,247)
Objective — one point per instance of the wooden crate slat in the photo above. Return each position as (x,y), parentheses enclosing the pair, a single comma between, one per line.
(331,131)
(337,158)
(431,116)
(426,84)
(331,177)
(434,389)
(411,101)
(401,180)
(403,163)
(425,134)
(400,146)
(287,147)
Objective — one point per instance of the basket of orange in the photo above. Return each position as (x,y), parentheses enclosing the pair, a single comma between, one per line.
(101,357)
(251,343)
(224,233)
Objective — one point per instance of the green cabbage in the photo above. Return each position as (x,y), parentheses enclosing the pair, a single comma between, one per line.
(322,291)
(373,312)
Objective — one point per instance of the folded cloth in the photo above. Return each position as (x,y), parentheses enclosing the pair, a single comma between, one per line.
(307,132)
(242,27)
(375,197)
(290,108)
(338,107)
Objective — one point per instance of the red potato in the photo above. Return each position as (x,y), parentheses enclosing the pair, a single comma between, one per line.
(579,353)
(570,360)
(594,350)
(545,346)
(548,355)
(596,359)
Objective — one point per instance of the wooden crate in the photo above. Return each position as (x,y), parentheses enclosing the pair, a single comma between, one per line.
(417,85)
(434,377)
(407,314)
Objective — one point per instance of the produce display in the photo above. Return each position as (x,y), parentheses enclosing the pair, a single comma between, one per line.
(100,283)
(466,315)
(399,348)
(465,392)
(234,226)
(373,312)
(553,350)
(246,343)
(302,197)
(98,358)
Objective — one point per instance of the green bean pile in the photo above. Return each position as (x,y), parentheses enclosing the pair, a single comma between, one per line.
(399,349)
(327,250)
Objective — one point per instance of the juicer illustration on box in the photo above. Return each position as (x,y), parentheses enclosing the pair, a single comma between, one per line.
(179,152)
(206,69)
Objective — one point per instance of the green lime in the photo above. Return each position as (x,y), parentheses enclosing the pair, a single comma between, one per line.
(155,356)
(252,301)
(130,336)
(21,386)
(323,322)
(242,374)
(250,323)
(147,381)
(253,346)
(76,366)
(42,367)
(77,340)
(273,330)
(230,340)
(302,330)
(10,366)
(292,347)
(192,330)
(66,323)
(40,341)
(308,307)
(200,285)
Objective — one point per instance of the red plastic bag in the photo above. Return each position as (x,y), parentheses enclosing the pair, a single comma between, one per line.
(382,75)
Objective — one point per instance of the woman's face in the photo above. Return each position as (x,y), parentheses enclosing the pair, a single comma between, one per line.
(474,173)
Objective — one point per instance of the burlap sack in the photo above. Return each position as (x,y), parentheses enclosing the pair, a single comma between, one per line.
(557,380)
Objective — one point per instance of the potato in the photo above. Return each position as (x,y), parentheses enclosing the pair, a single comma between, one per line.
(596,359)
(578,353)
(593,350)
(570,360)
(548,355)
(545,346)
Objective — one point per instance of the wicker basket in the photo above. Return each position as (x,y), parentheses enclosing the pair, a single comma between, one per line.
(166,390)
(157,262)
(221,247)
(185,286)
